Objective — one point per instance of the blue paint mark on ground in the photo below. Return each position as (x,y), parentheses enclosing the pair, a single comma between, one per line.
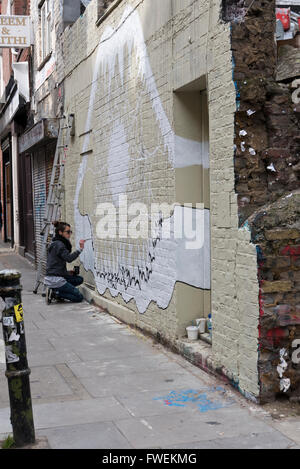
(213,398)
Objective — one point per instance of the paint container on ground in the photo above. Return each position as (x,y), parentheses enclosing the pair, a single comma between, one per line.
(201,324)
(192,332)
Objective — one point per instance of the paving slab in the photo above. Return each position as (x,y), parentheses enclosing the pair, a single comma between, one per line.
(195,401)
(109,367)
(95,327)
(82,340)
(78,412)
(5,425)
(101,352)
(51,357)
(47,382)
(181,428)
(4,396)
(289,427)
(92,436)
(122,344)
(63,414)
(270,440)
(121,384)
(39,344)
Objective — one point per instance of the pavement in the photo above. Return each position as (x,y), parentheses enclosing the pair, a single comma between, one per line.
(97,384)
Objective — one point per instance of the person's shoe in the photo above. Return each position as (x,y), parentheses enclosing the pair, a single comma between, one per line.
(49,296)
(59,300)
(56,297)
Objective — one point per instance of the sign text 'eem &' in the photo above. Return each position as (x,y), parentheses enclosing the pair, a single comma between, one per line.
(15,31)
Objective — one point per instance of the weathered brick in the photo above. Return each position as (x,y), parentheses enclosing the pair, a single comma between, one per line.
(271,235)
(277,286)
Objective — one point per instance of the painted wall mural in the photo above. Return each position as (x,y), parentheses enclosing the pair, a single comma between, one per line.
(124,94)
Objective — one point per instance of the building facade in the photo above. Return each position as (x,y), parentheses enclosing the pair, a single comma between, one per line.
(186,116)
(14,117)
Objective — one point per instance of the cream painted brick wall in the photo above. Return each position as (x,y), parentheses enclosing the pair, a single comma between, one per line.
(235,289)
(191,44)
(77,99)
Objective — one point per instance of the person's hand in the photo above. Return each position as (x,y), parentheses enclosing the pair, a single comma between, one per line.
(81,243)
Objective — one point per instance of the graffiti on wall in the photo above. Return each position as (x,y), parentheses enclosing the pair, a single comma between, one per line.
(144,270)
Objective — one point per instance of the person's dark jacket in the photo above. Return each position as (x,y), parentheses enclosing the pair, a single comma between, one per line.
(59,254)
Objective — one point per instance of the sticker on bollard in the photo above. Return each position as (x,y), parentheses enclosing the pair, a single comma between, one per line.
(10,356)
(19,312)
(8,321)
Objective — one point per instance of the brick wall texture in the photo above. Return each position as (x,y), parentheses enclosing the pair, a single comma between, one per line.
(185,40)
(267,184)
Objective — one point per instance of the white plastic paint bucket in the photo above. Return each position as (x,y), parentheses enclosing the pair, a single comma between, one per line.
(201,324)
(192,332)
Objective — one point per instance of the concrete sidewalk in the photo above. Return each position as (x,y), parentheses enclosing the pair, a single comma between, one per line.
(97,384)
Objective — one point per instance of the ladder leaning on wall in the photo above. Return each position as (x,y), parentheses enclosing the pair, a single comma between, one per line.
(54,199)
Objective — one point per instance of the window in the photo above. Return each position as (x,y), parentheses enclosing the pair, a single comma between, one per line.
(45,29)
(84,4)
(104,5)
(72,10)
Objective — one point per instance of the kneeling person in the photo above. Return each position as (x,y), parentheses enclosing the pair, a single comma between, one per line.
(58,279)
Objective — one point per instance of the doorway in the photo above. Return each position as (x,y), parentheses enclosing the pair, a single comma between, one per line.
(8,202)
(192,168)
(7,193)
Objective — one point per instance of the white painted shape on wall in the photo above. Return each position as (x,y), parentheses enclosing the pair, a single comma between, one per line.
(281,368)
(118,161)
(193,265)
(190,153)
(144,279)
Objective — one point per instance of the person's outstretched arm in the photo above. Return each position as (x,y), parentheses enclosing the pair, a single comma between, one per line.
(66,256)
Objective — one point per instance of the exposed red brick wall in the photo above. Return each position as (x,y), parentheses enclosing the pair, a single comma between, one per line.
(21,7)
(267,175)
(276,229)
(6,53)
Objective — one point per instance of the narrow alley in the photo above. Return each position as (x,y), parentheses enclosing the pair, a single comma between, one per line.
(150,207)
(96,384)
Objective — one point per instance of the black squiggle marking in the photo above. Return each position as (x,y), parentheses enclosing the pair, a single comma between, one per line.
(124,277)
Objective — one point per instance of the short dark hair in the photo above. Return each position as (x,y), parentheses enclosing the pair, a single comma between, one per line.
(60,226)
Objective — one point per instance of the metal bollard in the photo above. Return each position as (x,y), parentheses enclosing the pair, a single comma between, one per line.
(17,371)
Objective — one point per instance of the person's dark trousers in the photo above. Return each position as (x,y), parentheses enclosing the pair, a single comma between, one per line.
(68,291)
